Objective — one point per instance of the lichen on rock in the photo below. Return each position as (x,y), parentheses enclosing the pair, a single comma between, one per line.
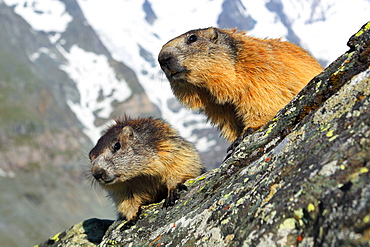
(302,179)
(87,233)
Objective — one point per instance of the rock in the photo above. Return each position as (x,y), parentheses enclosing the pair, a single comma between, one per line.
(87,233)
(303,179)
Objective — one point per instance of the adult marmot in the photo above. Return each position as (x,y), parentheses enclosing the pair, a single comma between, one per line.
(142,161)
(238,81)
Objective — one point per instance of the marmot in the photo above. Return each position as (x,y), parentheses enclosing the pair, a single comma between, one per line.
(142,161)
(238,81)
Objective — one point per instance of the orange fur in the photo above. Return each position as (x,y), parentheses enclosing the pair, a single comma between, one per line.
(238,81)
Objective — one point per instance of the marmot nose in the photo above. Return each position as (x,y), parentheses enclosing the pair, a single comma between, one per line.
(98,172)
(165,58)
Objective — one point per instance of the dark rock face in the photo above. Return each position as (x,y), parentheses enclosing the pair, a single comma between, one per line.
(302,179)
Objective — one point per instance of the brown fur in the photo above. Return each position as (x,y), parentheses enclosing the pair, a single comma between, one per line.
(238,81)
(142,161)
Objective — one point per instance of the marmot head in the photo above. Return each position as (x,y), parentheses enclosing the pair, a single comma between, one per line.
(198,57)
(120,154)
(112,154)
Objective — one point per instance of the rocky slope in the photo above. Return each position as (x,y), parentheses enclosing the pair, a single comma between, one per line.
(302,179)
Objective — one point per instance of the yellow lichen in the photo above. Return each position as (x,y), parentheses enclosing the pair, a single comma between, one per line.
(193,181)
(122,224)
(288,224)
(227,195)
(341,68)
(325,128)
(330,133)
(310,207)
(239,189)
(356,113)
(240,201)
(269,130)
(112,242)
(55,237)
(190,181)
(366,219)
(333,138)
(200,189)
(298,213)
(364,170)
(325,212)
(225,221)
(355,177)
(366,27)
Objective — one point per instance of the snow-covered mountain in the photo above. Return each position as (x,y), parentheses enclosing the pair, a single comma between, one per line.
(134,31)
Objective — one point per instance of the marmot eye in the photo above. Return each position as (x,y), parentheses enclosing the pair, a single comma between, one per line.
(192,39)
(116,147)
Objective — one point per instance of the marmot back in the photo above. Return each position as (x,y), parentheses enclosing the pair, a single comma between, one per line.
(238,81)
(142,161)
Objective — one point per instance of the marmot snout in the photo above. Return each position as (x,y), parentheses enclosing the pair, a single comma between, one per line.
(171,65)
(238,81)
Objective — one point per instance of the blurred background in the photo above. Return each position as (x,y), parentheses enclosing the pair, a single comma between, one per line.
(68,67)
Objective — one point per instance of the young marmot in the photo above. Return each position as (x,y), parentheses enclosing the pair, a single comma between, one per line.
(238,81)
(142,161)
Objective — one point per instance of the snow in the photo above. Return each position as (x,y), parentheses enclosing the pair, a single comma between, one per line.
(324,27)
(42,15)
(267,25)
(36,55)
(94,78)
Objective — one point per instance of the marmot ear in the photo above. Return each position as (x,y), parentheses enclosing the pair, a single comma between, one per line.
(127,132)
(213,34)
